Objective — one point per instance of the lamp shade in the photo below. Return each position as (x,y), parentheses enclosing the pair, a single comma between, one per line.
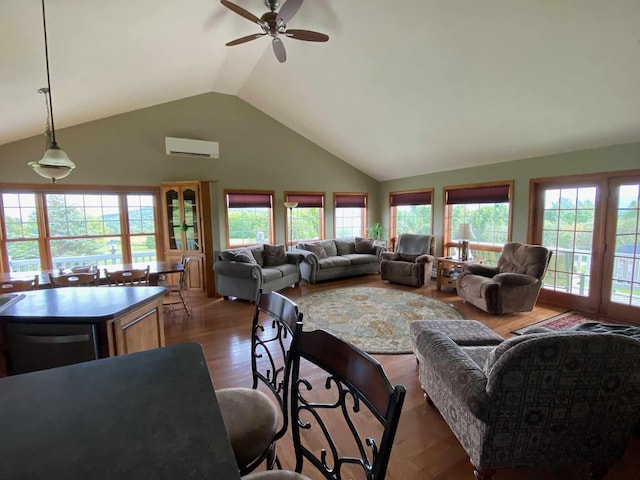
(465,232)
(290,204)
(55,164)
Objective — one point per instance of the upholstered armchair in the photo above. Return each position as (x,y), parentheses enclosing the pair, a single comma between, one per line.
(412,261)
(512,286)
(548,399)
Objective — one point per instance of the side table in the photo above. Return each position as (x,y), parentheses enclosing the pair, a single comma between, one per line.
(446,271)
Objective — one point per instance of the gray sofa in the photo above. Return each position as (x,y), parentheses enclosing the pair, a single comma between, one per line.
(337,258)
(541,399)
(242,272)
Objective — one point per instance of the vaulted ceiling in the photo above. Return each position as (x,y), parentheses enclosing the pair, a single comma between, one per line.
(402,88)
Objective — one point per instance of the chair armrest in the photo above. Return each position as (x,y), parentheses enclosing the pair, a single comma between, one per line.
(425,258)
(464,381)
(379,250)
(515,280)
(294,258)
(482,270)
(308,257)
(390,256)
(237,269)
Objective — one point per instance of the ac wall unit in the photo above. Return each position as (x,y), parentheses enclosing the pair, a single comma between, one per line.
(186,147)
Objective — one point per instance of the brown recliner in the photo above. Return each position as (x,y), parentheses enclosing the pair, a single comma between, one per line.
(512,286)
(412,261)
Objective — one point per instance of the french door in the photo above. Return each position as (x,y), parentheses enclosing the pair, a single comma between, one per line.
(591,224)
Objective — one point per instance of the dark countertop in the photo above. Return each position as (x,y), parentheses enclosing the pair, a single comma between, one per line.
(78,304)
(147,415)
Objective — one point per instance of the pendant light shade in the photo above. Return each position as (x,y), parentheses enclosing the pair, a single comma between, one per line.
(55,163)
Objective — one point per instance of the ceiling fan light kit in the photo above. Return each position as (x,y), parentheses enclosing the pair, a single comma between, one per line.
(274,24)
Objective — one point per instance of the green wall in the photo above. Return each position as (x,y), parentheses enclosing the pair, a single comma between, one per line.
(256,152)
(607,159)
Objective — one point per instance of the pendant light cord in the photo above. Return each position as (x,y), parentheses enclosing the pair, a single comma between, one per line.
(46,56)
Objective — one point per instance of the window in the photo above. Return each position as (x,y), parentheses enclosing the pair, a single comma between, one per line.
(487,208)
(306,221)
(62,229)
(410,212)
(249,218)
(350,214)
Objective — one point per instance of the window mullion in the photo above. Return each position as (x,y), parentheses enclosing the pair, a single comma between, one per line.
(44,232)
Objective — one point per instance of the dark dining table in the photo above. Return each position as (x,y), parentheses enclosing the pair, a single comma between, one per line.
(147,415)
(156,270)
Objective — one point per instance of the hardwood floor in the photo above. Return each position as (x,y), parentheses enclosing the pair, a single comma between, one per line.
(424,446)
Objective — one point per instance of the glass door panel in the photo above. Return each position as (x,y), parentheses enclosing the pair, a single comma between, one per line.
(190,223)
(173,219)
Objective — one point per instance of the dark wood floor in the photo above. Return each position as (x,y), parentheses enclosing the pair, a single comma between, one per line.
(424,446)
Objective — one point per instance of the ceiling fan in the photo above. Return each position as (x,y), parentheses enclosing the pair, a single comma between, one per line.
(275,24)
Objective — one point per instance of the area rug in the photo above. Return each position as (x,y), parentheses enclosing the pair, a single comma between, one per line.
(563,321)
(374,319)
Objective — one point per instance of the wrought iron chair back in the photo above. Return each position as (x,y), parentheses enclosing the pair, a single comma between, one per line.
(353,388)
(277,325)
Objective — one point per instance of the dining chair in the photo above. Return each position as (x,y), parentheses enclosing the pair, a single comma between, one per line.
(275,475)
(129,277)
(9,286)
(75,279)
(179,288)
(344,419)
(255,420)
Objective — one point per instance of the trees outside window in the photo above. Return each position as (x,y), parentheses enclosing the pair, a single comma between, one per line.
(47,231)
(350,214)
(249,218)
(410,212)
(487,208)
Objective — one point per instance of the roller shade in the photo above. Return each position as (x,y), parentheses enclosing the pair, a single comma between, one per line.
(249,200)
(494,194)
(351,201)
(414,198)
(307,201)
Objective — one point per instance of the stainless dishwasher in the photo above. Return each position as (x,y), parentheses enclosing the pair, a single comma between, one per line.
(38,346)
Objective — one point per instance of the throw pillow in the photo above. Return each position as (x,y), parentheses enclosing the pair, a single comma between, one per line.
(274,255)
(365,245)
(317,249)
(244,255)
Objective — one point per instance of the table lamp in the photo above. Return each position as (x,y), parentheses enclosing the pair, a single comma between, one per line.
(465,233)
(290,206)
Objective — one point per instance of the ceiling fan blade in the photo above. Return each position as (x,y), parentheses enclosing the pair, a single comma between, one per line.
(307,35)
(288,10)
(278,49)
(240,11)
(246,39)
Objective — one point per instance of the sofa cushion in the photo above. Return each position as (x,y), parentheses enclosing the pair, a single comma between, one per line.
(329,247)
(286,269)
(345,246)
(365,245)
(274,255)
(317,249)
(361,258)
(334,262)
(270,274)
(244,255)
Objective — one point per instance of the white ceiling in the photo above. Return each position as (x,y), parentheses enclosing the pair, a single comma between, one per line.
(403,87)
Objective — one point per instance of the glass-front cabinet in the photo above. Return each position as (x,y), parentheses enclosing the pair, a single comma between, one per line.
(187,224)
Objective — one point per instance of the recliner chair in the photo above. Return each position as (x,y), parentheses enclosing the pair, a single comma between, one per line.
(512,286)
(412,261)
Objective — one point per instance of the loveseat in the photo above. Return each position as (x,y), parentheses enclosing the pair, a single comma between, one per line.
(540,399)
(242,272)
(340,257)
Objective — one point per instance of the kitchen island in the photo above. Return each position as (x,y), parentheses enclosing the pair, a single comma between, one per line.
(60,326)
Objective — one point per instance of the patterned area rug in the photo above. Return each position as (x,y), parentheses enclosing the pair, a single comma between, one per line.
(561,322)
(374,319)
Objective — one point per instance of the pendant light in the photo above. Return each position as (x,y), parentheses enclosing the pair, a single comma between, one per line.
(55,163)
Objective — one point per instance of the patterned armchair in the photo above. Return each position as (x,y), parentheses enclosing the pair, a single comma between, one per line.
(412,261)
(512,286)
(545,399)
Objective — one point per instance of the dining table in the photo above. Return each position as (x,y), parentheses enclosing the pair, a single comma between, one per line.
(157,269)
(147,415)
